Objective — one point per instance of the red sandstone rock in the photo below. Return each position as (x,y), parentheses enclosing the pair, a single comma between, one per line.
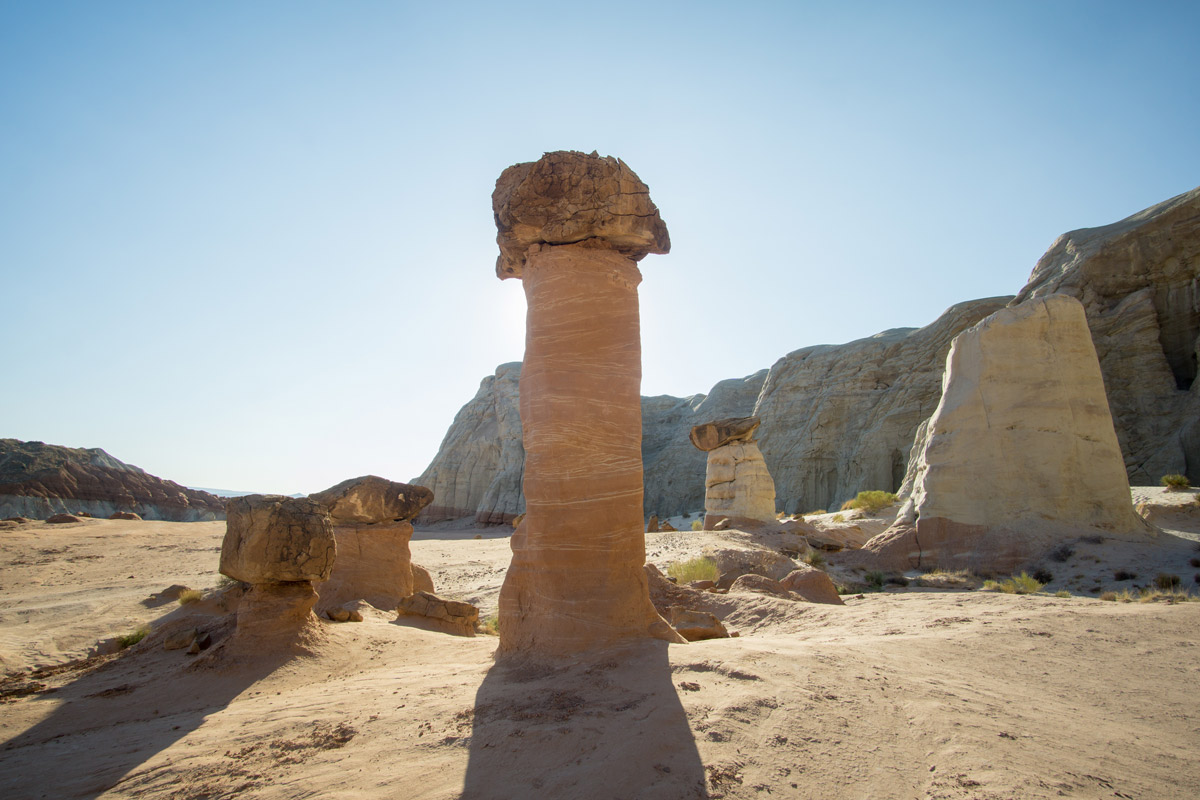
(373,564)
(373,499)
(59,519)
(571,227)
(813,585)
(273,539)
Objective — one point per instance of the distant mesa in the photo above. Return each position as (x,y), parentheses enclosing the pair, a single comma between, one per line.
(39,480)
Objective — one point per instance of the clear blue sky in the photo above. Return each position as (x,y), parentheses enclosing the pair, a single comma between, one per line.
(249,245)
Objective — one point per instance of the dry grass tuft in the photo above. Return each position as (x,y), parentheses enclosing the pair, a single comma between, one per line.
(1175,482)
(697,525)
(188,596)
(870,501)
(696,569)
(1017,584)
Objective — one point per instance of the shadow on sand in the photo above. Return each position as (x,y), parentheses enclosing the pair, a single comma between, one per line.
(115,717)
(610,726)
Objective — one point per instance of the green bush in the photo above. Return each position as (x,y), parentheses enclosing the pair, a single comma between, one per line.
(489,626)
(696,569)
(815,559)
(1175,482)
(870,502)
(697,525)
(875,580)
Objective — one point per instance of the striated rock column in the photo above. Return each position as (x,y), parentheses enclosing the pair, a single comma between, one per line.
(737,484)
(571,228)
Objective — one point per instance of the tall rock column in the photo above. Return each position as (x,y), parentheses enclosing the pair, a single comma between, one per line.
(571,227)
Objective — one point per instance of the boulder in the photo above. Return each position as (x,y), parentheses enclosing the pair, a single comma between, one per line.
(128,515)
(571,227)
(372,499)
(422,580)
(274,539)
(452,615)
(60,519)
(718,433)
(735,562)
(813,585)
(1020,453)
(696,626)
(652,525)
(759,585)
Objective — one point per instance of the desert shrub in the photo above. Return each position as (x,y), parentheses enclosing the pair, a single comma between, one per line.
(897,580)
(1195,562)
(133,637)
(1166,582)
(686,515)
(875,580)
(870,501)
(815,559)
(1196,578)
(1109,596)
(781,515)
(1062,553)
(696,569)
(1126,596)
(1175,482)
(1043,576)
(489,626)
(1017,584)
(697,525)
(225,582)
(1124,575)
(838,518)
(1062,593)
(188,596)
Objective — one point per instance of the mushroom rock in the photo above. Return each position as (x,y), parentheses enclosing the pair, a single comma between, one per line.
(278,545)
(571,226)
(1020,453)
(737,484)
(371,525)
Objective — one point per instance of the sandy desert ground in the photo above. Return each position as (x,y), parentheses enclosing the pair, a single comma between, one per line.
(904,693)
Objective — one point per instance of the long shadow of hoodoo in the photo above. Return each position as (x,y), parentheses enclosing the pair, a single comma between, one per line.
(608,726)
(122,713)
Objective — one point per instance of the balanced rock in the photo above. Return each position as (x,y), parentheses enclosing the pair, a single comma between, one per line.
(370,517)
(274,539)
(279,545)
(1020,453)
(737,485)
(571,226)
(372,499)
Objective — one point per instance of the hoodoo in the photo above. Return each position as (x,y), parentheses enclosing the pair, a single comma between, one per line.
(737,485)
(571,227)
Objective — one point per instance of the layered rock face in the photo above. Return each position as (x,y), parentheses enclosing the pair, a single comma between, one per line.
(571,227)
(38,480)
(737,486)
(372,527)
(1139,281)
(279,545)
(1020,454)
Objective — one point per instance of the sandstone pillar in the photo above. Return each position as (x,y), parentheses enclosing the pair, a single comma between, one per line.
(571,228)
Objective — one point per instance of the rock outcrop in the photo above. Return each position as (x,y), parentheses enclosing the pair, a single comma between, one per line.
(280,546)
(737,485)
(1020,454)
(450,616)
(571,227)
(38,480)
(1139,281)
(839,419)
(372,527)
